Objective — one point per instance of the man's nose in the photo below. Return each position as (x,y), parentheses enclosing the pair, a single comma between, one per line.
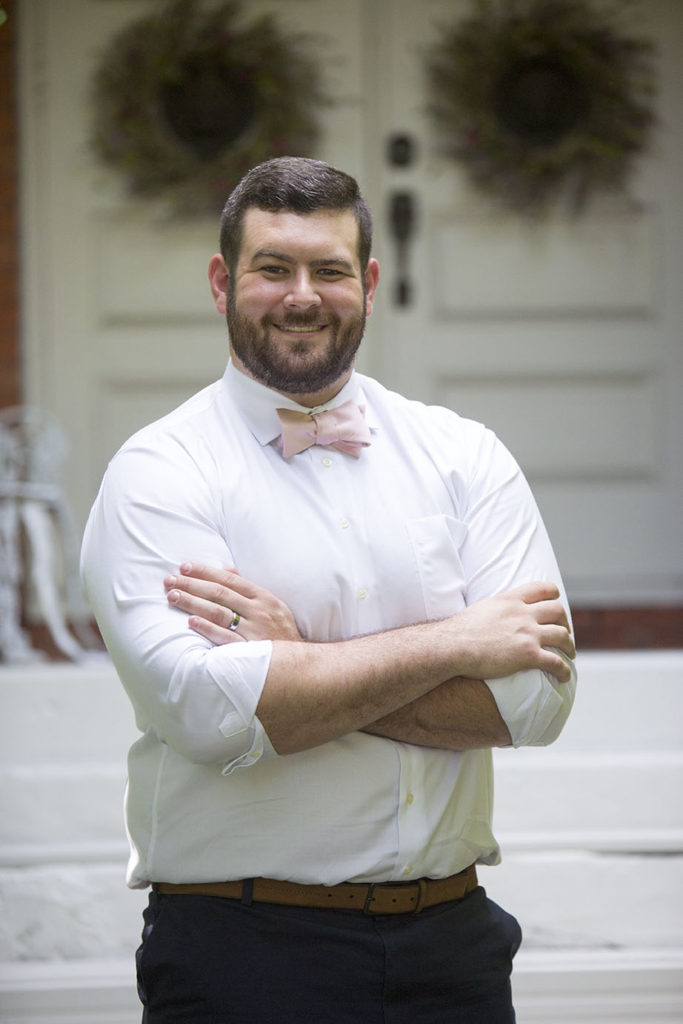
(303,293)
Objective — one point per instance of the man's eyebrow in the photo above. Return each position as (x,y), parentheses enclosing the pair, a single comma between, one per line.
(283,257)
(334,261)
(271,254)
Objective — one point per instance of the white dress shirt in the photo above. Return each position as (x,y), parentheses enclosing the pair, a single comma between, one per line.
(432,517)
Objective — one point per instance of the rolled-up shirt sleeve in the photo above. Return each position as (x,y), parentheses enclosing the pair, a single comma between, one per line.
(533,705)
(505,545)
(154,511)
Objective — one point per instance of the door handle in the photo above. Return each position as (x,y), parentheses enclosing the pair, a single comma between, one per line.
(402,223)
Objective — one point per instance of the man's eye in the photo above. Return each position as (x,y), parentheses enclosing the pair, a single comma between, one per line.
(273,270)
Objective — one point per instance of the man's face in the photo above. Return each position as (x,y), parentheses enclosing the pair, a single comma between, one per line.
(297,302)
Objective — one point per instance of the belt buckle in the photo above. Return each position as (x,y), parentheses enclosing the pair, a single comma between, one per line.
(369,897)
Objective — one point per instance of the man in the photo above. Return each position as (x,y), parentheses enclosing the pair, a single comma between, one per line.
(313,784)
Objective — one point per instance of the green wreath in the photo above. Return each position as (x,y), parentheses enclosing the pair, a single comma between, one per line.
(542,101)
(187,100)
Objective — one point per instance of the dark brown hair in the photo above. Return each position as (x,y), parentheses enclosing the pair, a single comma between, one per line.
(297,185)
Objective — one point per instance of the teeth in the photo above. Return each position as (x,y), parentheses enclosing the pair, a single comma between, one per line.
(300,330)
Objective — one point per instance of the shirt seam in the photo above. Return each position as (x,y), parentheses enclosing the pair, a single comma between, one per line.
(153,835)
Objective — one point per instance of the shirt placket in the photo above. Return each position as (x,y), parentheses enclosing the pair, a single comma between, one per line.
(339,488)
(411,811)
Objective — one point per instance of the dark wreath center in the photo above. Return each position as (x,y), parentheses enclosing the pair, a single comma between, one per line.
(207,105)
(539,100)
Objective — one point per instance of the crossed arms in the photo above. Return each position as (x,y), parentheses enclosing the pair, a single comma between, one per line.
(210,696)
(419,684)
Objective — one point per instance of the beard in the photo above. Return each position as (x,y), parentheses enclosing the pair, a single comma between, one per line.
(294,368)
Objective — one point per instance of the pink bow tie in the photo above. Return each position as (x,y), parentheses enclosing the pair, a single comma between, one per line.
(343,428)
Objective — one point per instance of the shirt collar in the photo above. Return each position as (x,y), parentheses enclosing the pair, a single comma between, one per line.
(257,403)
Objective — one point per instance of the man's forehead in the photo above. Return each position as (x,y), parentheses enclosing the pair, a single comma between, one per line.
(328,228)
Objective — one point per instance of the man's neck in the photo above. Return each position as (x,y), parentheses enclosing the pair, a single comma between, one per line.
(307,399)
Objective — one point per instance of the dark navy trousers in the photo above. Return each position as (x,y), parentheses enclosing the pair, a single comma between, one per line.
(208,960)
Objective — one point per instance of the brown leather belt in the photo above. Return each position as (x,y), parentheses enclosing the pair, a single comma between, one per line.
(370,898)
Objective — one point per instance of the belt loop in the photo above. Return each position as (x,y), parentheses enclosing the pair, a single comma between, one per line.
(421,893)
(247,892)
(369,897)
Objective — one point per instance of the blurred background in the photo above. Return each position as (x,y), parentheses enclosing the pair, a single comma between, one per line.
(559,327)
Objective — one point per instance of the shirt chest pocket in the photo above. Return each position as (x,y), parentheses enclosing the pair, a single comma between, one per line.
(436,542)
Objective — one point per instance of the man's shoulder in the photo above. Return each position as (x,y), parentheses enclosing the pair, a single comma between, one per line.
(177,428)
(174,453)
(416,413)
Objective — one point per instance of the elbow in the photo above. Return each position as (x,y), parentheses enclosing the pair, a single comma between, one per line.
(207,748)
(207,740)
(554,727)
(203,722)
(555,701)
(534,705)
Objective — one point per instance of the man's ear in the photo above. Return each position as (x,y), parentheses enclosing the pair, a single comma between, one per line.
(371,281)
(219,279)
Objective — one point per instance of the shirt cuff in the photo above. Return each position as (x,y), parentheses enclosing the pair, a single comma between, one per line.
(240,670)
(533,705)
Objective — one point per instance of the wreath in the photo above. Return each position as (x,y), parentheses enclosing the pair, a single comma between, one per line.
(542,101)
(186,100)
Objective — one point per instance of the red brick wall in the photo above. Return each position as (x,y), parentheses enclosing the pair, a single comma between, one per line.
(10,375)
(627,628)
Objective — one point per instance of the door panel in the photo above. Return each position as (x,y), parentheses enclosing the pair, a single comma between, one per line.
(564,336)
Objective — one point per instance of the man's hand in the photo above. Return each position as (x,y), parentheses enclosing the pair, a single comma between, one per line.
(512,632)
(212,598)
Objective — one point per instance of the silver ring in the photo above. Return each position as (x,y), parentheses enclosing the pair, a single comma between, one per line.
(235,622)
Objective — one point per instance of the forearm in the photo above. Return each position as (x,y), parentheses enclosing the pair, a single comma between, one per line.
(318,692)
(460,714)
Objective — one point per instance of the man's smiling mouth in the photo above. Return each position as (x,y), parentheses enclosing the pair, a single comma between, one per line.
(300,328)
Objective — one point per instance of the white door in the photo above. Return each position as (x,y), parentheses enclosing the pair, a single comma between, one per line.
(119,323)
(566,338)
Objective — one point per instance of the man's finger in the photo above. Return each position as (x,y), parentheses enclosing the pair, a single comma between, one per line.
(537,590)
(219,613)
(548,612)
(559,637)
(229,578)
(558,665)
(215,634)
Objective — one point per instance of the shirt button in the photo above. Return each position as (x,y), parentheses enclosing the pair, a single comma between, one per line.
(410,798)
(327,461)
(408,870)
(344,523)
(361,594)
